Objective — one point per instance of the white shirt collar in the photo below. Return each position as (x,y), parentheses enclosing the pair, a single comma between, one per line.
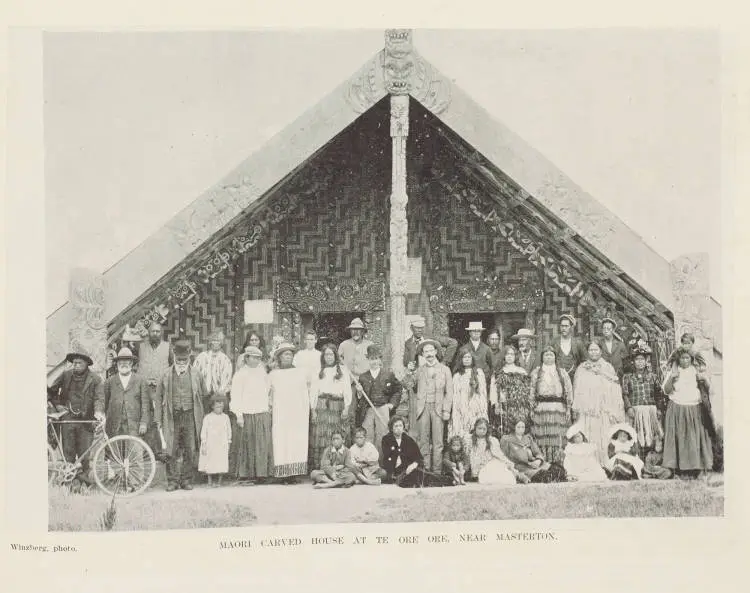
(375,373)
(476,344)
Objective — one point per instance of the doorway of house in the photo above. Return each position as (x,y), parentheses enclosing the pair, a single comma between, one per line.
(332,327)
(508,324)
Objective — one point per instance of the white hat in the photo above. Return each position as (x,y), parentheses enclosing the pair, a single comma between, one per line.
(356,324)
(418,321)
(475,326)
(253,351)
(283,347)
(124,354)
(524,333)
(574,430)
(614,429)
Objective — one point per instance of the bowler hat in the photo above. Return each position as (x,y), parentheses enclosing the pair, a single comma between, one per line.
(182,348)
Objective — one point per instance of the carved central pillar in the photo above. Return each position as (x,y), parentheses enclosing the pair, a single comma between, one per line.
(399,229)
(398,67)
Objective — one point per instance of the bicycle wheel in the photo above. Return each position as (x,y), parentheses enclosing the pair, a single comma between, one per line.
(124,466)
(54,464)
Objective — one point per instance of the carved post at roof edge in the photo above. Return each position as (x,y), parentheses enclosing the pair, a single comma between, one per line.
(397,69)
(88,330)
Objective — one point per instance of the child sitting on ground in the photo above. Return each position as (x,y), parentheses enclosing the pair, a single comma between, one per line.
(363,460)
(455,461)
(333,472)
(216,435)
(624,462)
(580,458)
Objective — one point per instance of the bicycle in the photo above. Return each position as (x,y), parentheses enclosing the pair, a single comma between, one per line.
(123,465)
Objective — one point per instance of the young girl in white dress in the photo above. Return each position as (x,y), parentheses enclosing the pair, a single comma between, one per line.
(580,461)
(216,435)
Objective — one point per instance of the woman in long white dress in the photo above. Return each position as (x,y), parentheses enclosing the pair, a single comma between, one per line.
(290,405)
(597,399)
(486,459)
(469,397)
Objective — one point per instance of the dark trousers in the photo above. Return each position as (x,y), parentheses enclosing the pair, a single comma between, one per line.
(76,439)
(184,443)
(152,437)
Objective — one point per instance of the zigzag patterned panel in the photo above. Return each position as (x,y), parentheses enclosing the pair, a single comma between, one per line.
(212,311)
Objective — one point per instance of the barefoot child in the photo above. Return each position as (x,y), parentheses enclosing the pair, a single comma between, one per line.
(333,472)
(455,461)
(363,460)
(216,435)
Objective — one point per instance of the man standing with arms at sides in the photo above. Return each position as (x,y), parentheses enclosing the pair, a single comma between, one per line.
(126,396)
(479,350)
(448,345)
(613,350)
(179,410)
(432,387)
(353,352)
(384,392)
(527,354)
(569,350)
(155,358)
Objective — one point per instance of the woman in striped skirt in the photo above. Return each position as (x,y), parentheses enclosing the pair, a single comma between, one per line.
(330,402)
(552,396)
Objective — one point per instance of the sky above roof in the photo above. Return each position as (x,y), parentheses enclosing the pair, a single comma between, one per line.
(138,125)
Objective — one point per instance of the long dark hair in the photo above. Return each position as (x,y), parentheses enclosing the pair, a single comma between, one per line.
(560,371)
(336,361)
(474,432)
(474,379)
(261,341)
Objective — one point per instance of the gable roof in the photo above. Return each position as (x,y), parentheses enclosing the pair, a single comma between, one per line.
(196,224)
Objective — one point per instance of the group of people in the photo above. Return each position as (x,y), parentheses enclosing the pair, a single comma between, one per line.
(482,412)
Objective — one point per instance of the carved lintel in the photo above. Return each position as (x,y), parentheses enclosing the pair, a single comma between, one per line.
(313,297)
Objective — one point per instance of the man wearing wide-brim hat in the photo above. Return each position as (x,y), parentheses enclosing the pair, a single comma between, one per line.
(127,397)
(526,355)
(179,415)
(79,392)
(613,349)
(353,352)
(479,350)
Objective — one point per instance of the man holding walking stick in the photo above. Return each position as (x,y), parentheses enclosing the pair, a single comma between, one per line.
(378,395)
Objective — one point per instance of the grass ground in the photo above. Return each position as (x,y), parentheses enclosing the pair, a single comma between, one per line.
(82,512)
(674,498)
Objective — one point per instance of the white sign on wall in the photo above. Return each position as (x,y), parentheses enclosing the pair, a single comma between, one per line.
(414,275)
(259,311)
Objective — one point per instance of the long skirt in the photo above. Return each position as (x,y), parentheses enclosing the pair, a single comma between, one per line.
(255,449)
(647,426)
(328,413)
(496,472)
(550,421)
(687,444)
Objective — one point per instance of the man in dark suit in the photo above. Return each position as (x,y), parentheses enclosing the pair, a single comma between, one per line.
(179,411)
(479,350)
(127,399)
(384,391)
(447,345)
(80,393)
(526,355)
(613,350)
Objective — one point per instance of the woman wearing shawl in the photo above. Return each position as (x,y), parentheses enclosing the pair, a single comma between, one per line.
(597,400)
(523,451)
(403,461)
(624,461)
(290,419)
(551,397)
(469,397)
(688,424)
(509,394)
